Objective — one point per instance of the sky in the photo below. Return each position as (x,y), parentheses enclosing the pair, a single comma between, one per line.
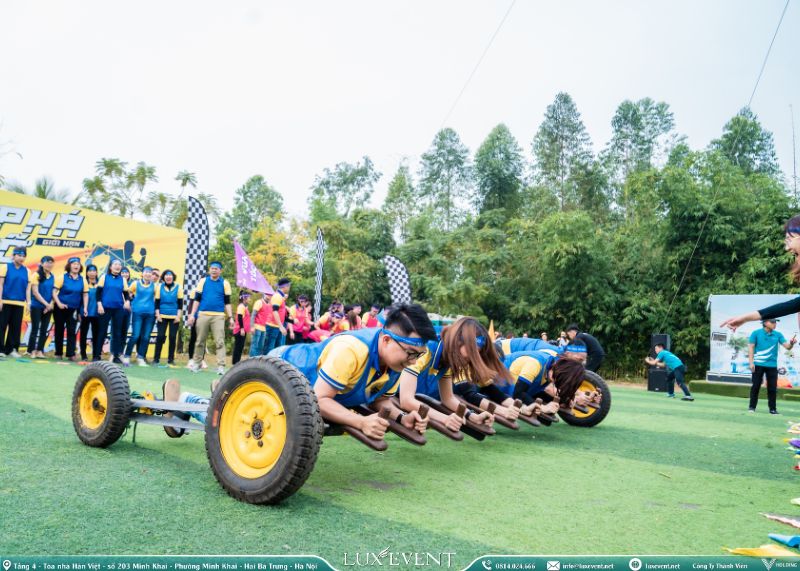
(286,89)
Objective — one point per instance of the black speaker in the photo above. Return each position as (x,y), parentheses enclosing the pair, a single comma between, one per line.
(662,339)
(657,380)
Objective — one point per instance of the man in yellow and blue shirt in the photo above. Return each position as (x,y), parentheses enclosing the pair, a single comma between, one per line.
(213,299)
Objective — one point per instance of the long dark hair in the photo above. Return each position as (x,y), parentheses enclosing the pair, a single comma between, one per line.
(792,227)
(482,365)
(567,376)
(40,270)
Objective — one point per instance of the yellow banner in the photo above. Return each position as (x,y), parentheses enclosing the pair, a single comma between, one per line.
(63,231)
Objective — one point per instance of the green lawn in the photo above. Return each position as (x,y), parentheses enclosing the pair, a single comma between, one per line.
(658,476)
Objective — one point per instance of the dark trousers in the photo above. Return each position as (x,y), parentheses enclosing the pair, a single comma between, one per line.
(772,386)
(65,318)
(88,323)
(593,362)
(677,375)
(272,340)
(10,327)
(192,340)
(40,324)
(116,317)
(165,325)
(238,347)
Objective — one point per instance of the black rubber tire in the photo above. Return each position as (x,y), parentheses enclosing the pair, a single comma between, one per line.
(304,429)
(118,409)
(598,415)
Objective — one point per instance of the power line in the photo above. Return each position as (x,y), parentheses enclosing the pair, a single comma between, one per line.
(716,191)
(477,65)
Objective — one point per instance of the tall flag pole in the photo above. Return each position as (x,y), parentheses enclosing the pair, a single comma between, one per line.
(320,263)
(399,282)
(196,250)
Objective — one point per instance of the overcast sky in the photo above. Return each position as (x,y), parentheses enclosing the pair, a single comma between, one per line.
(229,90)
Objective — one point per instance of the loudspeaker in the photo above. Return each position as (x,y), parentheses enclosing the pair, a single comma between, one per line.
(657,379)
(661,338)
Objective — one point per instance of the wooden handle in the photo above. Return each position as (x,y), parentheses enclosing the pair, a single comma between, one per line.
(378,445)
(461,410)
(423,411)
(384,413)
(491,408)
(517,403)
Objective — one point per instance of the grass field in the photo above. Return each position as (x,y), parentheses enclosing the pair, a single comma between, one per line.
(658,476)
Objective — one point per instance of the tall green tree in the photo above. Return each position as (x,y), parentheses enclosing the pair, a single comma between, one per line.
(400,199)
(346,186)
(748,145)
(446,178)
(561,149)
(498,172)
(116,190)
(253,202)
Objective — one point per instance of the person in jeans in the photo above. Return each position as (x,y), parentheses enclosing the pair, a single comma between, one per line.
(213,298)
(676,370)
(143,310)
(70,292)
(168,303)
(40,295)
(13,291)
(112,305)
(276,315)
(763,354)
(89,319)
(260,309)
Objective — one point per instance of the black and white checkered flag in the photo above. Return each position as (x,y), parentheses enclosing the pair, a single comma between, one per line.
(196,250)
(399,284)
(320,263)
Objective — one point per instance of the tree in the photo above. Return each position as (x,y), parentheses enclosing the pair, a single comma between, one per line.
(116,190)
(748,145)
(445,178)
(253,203)
(561,148)
(43,188)
(399,200)
(498,172)
(346,186)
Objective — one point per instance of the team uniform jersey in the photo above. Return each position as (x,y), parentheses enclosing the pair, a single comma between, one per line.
(348,362)
(325,321)
(71,290)
(429,371)
(91,309)
(15,283)
(212,295)
(369,322)
(528,344)
(45,288)
(301,320)
(529,368)
(144,297)
(243,315)
(168,300)
(111,291)
(278,301)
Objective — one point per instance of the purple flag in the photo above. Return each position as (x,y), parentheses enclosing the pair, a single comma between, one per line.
(247,274)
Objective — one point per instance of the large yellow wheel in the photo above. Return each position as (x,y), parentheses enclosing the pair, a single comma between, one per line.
(101,404)
(263,431)
(592,383)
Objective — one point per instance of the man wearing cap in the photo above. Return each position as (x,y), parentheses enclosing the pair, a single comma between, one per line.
(13,292)
(763,354)
(213,299)
(276,315)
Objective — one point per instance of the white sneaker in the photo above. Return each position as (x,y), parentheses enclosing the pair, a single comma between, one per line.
(2,355)
(126,360)
(193,367)
(220,370)
(203,364)
(189,364)
(14,355)
(142,363)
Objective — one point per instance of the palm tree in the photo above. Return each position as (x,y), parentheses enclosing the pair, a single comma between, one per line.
(43,188)
(111,168)
(186,178)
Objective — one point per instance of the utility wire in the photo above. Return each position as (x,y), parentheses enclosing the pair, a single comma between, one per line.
(716,191)
(477,65)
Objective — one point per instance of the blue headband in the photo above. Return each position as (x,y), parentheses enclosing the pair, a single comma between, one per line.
(415,341)
(215,264)
(20,252)
(147,269)
(481,341)
(793,230)
(47,259)
(73,260)
(91,267)
(576,348)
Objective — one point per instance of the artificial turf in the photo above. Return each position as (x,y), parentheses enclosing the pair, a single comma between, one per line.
(658,476)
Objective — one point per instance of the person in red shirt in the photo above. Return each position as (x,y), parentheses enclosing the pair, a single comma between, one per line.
(370,320)
(300,320)
(276,315)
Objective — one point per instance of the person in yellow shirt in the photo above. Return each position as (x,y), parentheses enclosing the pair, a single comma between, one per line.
(276,316)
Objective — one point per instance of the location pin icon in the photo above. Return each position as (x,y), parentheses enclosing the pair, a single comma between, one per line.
(6,565)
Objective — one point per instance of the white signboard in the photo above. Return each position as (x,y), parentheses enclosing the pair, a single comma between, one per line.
(729,350)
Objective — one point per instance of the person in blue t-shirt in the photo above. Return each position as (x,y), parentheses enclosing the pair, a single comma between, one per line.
(676,370)
(763,354)
(13,292)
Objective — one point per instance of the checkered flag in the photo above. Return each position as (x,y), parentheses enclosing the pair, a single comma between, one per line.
(399,284)
(196,250)
(320,263)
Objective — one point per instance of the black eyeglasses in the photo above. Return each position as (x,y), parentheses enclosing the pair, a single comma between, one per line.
(412,355)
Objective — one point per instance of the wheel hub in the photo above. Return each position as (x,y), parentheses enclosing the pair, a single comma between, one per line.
(257,429)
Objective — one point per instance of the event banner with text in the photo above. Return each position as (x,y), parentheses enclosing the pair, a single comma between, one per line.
(46,227)
(397,559)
